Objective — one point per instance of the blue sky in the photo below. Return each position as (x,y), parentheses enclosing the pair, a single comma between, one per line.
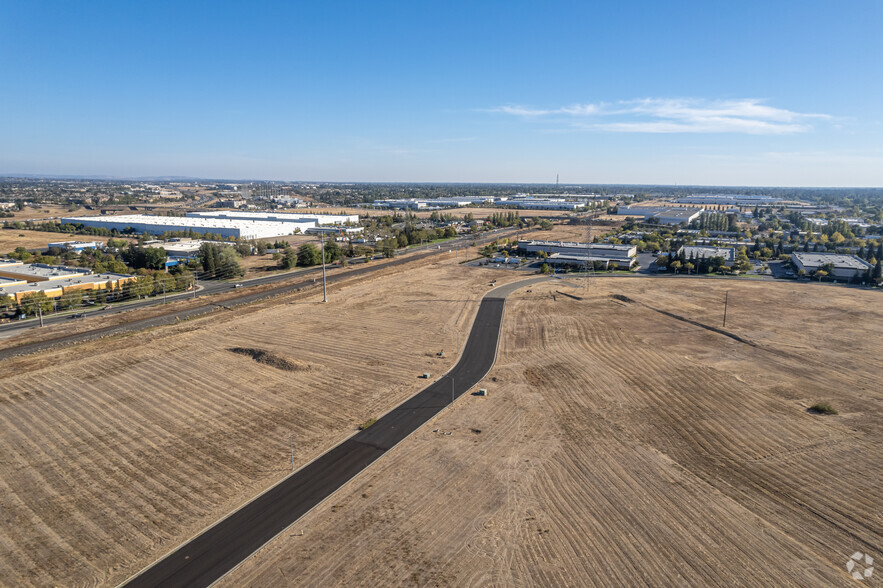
(725,93)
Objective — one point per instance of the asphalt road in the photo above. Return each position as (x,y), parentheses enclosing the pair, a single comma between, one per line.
(210,555)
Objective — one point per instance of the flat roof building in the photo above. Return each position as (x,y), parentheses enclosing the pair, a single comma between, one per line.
(844,266)
(225,227)
(729,199)
(666,216)
(55,288)
(624,255)
(707,252)
(580,260)
(282,217)
(38,272)
(76,245)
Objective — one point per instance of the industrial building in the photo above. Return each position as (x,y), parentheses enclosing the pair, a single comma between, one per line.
(729,199)
(707,252)
(666,216)
(301,219)
(19,279)
(38,272)
(844,266)
(336,230)
(76,246)
(225,227)
(573,253)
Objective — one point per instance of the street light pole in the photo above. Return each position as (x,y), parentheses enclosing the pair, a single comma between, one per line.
(324,291)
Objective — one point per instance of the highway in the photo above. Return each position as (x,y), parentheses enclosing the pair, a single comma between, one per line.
(210,555)
(247,296)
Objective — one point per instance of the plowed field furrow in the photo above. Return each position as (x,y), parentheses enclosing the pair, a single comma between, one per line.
(653,454)
(114,451)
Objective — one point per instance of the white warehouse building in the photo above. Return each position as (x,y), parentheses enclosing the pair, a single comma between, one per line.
(281,217)
(844,266)
(157,225)
(566,252)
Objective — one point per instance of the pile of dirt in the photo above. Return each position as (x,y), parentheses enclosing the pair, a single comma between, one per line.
(271,359)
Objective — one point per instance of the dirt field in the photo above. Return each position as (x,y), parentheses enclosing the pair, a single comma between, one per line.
(114,452)
(12,238)
(43,212)
(620,446)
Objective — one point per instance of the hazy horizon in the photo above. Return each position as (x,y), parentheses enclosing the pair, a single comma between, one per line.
(696,94)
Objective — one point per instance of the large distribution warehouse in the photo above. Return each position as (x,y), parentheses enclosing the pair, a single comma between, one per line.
(281,217)
(225,227)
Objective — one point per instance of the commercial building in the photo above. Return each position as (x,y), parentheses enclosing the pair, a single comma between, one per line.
(76,246)
(224,227)
(38,272)
(302,220)
(729,199)
(564,252)
(18,279)
(666,216)
(56,288)
(844,266)
(336,230)
(707,252)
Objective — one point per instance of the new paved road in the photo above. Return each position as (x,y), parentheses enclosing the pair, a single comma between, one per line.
(209,556)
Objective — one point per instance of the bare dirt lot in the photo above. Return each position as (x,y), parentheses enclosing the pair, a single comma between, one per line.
(12,238)
(114,452)
(622,446)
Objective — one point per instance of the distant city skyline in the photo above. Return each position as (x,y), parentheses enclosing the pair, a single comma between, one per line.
(696,93)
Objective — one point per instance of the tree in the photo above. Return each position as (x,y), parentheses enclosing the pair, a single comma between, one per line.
(70,299)
(545,269)
(308,254)
(163,282)
(675,266)
(34,301)
(388,247)
(220,261)
(141,287)
(689,267)
(332,252)
(288,259)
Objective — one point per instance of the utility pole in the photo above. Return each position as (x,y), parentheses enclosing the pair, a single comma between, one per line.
(163,292)
(195,282)
(324,291)
(40,312)
(726,303)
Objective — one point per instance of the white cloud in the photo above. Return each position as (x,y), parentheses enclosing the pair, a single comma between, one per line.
(673,115)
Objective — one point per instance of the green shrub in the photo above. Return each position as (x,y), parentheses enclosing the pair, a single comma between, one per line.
(822,408)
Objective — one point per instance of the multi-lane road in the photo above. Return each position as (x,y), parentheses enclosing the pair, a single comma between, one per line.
(212,554)
(305,279)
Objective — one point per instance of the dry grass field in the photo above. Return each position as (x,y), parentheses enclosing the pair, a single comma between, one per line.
(45,211)
(621,446)
(12,238)
(114,452)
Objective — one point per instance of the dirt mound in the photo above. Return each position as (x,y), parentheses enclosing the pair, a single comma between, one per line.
(271,359)
(622,298)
